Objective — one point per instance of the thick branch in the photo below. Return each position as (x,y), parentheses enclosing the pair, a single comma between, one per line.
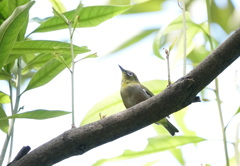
(175,97)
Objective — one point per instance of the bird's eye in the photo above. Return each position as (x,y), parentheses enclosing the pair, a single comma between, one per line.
(130,73)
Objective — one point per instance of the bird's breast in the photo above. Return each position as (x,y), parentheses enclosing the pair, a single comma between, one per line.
(133,94)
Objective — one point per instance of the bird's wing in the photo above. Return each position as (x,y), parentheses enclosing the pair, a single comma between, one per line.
(147,91)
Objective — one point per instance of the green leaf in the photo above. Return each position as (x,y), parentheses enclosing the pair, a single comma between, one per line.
(198,54)
(37,62)
(60,15)
(13,4)
(10,29)
(94,55)
(177,153)
(113,103)
(58,6)
(237,111)
(45,46)
(179,116)
(89,17)
(155,145)
(151,163)
(146,6)
(135,39)
(3,123)
(176,26)
(47,72)
(78,9)
(4,98)
(4,12)
(225,16)
(38,114)
(4,75)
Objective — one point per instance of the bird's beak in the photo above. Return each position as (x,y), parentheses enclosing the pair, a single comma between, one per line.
(123,70)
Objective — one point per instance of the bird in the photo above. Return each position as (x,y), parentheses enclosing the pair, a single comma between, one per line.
(133,92)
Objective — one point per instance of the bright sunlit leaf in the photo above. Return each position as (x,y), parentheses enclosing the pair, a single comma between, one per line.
(3,123)
(237,111)
(37,62)
(135,39)
(145,6)
(179,117)
(89,17)
(4,98)
(38,114)
(113,103)
(47,72)
(177,153)
(45,46)
(155,145)
(58,6)
(177,25)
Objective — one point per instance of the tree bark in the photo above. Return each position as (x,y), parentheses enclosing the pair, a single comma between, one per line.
(183,92)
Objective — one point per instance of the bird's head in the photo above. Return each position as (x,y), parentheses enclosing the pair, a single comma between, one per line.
(128,76)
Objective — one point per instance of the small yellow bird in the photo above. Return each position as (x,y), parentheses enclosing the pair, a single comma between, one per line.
(133,92)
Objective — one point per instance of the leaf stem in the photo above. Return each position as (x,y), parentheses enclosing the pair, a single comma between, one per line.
(221,120)
(72,71)
(14,111)
(208,3)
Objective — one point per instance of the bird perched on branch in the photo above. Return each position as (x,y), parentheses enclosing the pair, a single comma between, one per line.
(133,92)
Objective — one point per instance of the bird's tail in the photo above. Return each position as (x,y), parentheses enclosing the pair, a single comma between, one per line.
(169,126)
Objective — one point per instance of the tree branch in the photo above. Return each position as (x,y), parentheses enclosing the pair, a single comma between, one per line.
(175,97)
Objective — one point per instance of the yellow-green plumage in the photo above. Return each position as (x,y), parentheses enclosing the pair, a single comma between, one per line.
(133,92)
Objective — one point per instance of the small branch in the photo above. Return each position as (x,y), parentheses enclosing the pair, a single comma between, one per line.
(14,111)
(221,121)
(72,73)
(168,65)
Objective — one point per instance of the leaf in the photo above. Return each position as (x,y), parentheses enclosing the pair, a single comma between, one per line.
(4,75)
(10,29)
(135,39)
(177,153)
(38,114)
(58,6)
(155,145)
(12,5)
(225,16)
(4,11)
(151,163)
(45,46)
(3,123)
(37,62)
(60,15)
(179,116)
(113,103)
(146,6)
(4,98)
(198,54)
(78,9)
(176,25)
(47,72)
(237,111)
(94,55)
(89,17)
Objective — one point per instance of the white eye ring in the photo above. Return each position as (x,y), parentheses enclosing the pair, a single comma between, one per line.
(130,73)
